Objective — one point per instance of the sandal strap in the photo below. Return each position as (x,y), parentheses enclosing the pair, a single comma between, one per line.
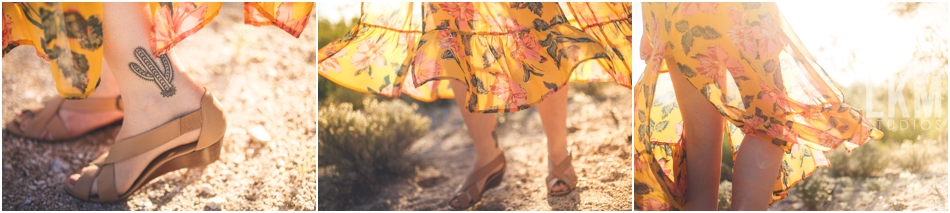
(480,175)
(106,179)
(57,128)
(559,172)
(48,115)
(42,119)
(209,118)
(93,104)
(83,187)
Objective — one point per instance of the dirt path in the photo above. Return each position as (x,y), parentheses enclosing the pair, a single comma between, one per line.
(264,78)
(599,136)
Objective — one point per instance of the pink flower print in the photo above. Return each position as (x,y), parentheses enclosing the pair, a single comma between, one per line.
(285,19)
(691,8)
(504,24)
(652,204)
(666,170)
(638,165)
(7,30)
(771,37)
(716,62)
(390,21)
(447,40)
(828,140)
(369,52)
(743,36)
(387,91)
(737,15)
(461,11)
(748,127)
(508,91)
(773,95)
(171,26)
(527,48)
(783,133)
(425,68)
(332,63)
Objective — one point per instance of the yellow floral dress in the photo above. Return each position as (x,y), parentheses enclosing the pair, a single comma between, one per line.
(774,90)
(69,35)
(510,55)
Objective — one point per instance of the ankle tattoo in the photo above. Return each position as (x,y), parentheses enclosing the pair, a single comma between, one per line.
(161,77)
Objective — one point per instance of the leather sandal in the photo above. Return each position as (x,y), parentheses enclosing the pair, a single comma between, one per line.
(487,177)
(47,117)
(209,118)
(559,174)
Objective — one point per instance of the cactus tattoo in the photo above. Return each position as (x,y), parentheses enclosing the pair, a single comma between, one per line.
(151,72)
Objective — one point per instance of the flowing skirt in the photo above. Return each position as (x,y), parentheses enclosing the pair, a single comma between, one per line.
(509,55)
(773,90)
(69,35)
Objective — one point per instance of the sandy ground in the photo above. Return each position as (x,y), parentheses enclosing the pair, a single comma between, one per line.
(903,191)
(599,136)
(265,80)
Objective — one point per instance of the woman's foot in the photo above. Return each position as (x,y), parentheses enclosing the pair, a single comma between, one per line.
(560,187)
(487,173)
(145,112)
(75,123)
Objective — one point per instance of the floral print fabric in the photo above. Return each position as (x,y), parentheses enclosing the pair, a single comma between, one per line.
(69,35)
(773,90)
(510,55)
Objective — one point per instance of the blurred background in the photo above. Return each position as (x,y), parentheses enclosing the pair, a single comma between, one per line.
(378,153)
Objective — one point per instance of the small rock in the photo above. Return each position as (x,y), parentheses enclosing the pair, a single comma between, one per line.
(206,189)
(259,134)
(146,205)
(8,167)
(57,165)
(22,206)
(215,203)
(32,187)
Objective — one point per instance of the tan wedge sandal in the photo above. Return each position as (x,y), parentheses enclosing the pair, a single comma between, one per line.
(487,177)
(205,151)
(560,174)
(47,117)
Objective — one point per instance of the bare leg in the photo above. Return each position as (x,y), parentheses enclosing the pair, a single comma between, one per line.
(482,129)
(754,175)
(147,105)
(703,129)
(553,112)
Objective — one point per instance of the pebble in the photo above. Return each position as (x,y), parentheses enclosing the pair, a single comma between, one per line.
(215,202)
(259,134)
(57,165)
(206,189)
(146,205)
(8,167)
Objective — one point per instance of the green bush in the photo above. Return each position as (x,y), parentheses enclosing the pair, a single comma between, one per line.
(876,184)
(868,160)
(370,141)
(725,195)
(814,191)
(916,157)
(359,151)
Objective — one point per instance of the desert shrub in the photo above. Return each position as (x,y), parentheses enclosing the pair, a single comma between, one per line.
(369,141)
(363,149)
(869,160)
(725,195)
(844,188)
(593,89)
(875,184)
(916,157)
(814,191)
